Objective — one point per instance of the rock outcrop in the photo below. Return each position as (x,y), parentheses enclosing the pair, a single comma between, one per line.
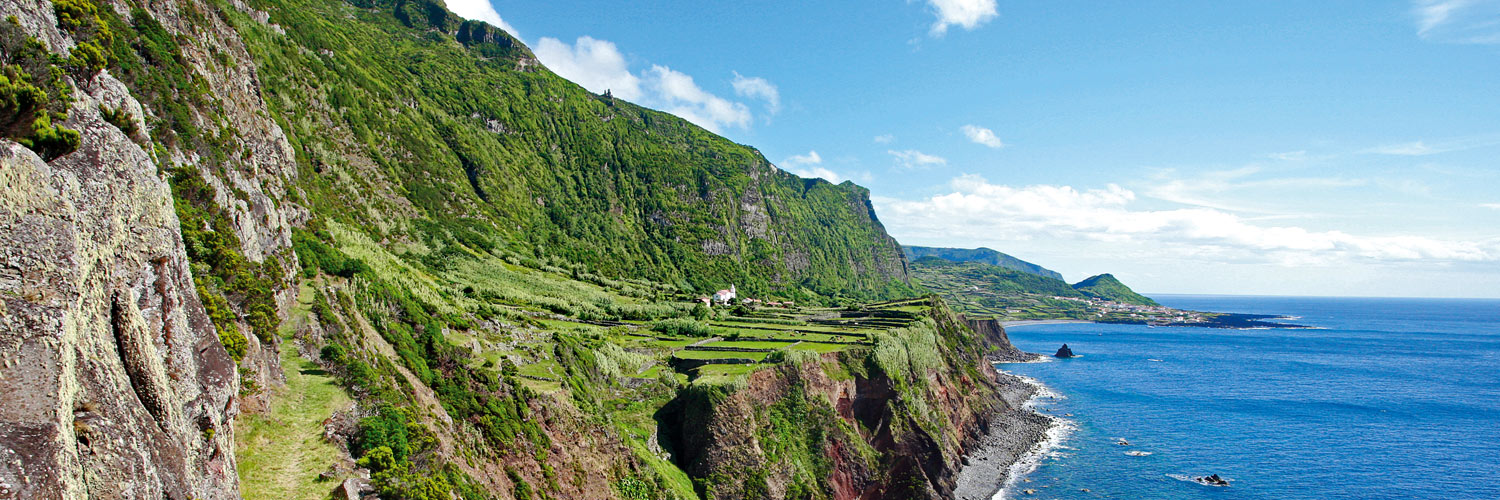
(1064,352)
(992,335)
(115,383)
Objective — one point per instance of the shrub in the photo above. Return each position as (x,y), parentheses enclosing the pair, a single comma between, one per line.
(682,327)
(792,356)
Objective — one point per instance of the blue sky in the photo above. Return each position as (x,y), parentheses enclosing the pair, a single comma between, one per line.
(1297,148)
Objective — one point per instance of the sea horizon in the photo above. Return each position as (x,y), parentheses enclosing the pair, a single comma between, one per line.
(1293,296)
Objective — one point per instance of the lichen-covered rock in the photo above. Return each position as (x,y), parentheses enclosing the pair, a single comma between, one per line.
(115,383)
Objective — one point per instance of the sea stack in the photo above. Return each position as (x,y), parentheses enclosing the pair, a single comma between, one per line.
(1064,352)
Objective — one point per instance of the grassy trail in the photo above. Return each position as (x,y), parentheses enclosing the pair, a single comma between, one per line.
(282,451)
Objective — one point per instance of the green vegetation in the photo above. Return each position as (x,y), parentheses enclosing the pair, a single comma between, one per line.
(281,452)
(681,327)
(223,274)
(490,252)
(33,94)
(537,166)
(1105,286)
(982,256)
(985,290)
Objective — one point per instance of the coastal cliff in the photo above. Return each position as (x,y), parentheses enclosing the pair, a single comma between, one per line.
(991,331)
(896,421)
(496,285)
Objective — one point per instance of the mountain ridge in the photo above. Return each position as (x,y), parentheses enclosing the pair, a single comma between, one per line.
(981,254)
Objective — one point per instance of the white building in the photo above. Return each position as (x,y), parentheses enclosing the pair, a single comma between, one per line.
(724,296)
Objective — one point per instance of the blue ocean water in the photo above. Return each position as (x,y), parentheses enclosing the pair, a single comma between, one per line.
(1389,398)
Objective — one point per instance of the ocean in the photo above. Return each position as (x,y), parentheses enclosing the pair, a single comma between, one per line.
(1387,398)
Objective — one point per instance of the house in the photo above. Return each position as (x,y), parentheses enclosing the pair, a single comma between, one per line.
(724,296)
(705,301)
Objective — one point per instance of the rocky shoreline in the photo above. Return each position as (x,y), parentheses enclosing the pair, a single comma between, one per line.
(1015,433)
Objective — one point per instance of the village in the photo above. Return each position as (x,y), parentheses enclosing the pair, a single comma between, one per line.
(1153,315)
(730,296)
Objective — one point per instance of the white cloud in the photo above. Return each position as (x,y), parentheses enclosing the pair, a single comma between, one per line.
(983,212)
(816,172)
(481,10)
(1417,148)
(811,158)
(807,165)
(982,136)
(1458,21)
(912,158)
(1446,145)
(676,93)
(884,138)
(596,65)
(758,88)
(1218,189)
(1491,206)
(1289,156)
(968,14)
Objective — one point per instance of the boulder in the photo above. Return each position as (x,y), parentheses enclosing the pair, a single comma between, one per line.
(1064,352)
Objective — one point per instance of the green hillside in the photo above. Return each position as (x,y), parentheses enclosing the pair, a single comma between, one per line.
(934,270)
(413,125)
(1105,286)
(982,289)
(981,255)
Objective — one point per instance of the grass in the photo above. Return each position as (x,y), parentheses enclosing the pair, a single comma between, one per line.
(819,348)
(281,452)
(545,369)
(750,344)
(720,355)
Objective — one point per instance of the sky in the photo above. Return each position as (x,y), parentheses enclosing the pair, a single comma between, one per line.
(1335,148)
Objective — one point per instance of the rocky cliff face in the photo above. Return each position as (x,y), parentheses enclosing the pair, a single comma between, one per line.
(850,424)
(992,334)
(116,381)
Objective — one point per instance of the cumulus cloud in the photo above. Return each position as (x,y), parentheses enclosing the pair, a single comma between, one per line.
(808,165)
(811,158)
(884,138)
(676,93)
(758,88)
(819,172)
(481,10)
(912,158)
(981,211)
(598,65)
(1458,21)
(967,14)
(982,136)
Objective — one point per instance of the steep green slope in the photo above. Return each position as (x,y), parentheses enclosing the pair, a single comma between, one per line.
(981,255)
(934,271)
(1106,287)
(421,129)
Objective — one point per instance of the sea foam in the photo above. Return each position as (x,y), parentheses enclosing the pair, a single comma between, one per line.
(1051,444)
